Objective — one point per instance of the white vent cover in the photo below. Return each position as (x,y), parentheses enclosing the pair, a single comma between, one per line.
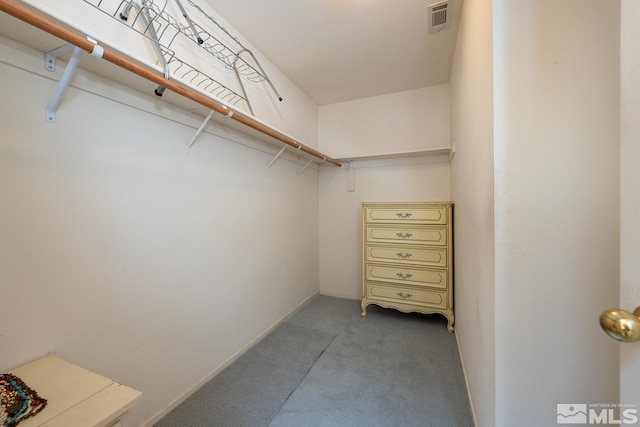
(438,17)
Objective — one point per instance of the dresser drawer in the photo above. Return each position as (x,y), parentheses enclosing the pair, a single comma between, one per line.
(406,214)
(406,275)
(409,295)
(417,235)
(414,255)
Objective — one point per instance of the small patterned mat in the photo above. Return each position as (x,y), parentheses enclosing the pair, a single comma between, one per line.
(17,401)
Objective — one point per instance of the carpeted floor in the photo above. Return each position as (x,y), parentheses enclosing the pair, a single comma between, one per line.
(329,367)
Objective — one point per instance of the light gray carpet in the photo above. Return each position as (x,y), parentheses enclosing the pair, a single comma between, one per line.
(250,391)
(337,369)
(389,369)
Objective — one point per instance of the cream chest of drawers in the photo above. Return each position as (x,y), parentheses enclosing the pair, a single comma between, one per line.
(408,257)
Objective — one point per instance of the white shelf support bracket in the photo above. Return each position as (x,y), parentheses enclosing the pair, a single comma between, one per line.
(50,57)
(50,113)
(70,69)
(199,131)
(276,157)
(305,167)
(351,177)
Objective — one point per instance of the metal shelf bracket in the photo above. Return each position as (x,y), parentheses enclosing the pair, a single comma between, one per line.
(199,131)
(305,167)
(50,57)
(50,64)
(204,123)
(276,157)
(70,69)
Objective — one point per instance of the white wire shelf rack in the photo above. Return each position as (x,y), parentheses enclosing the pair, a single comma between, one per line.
(179,43)
(44,30)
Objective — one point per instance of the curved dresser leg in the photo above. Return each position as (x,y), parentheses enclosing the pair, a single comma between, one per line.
(450,324)
(364,308)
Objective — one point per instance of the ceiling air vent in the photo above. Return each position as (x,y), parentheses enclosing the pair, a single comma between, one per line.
(438,17)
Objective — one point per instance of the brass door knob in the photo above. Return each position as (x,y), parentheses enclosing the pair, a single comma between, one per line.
(621,325)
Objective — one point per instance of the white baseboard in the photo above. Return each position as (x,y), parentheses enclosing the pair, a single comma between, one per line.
(340,295)
(466,383)
(150,422)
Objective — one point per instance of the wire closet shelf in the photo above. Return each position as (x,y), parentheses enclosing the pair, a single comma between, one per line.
(78,43)
(171,36)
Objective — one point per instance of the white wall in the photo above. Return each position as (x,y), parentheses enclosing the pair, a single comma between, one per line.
(399,180)
(472,192)
(128,254)
(399,122)
(394,123)
(630,198)
(556,105)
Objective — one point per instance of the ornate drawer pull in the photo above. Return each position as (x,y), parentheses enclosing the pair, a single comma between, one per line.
(404,256)
(405,296)
(404,276)
(404,235)
(404,215)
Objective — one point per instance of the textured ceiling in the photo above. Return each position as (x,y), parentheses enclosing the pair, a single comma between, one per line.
(340,50)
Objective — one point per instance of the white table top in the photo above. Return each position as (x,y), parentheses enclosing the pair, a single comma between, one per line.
(75,396)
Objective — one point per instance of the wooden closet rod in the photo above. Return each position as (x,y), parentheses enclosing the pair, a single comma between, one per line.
(45,25)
